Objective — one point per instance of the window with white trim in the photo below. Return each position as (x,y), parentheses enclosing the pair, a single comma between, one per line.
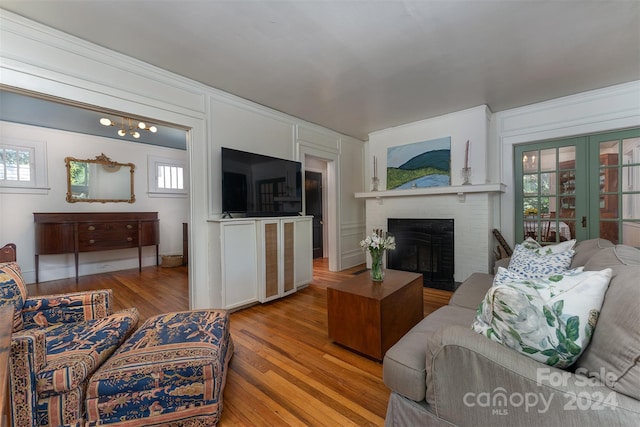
(167,177)
(16,164)
(22,166)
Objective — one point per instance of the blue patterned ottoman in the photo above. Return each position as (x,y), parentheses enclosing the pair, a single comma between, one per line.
(171,371)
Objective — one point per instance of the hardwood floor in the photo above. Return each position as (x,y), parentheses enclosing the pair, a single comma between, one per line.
(285,370)
(154,291)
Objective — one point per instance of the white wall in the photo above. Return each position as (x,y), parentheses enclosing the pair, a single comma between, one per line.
(16,210)
(612,108)
(471,124)
(37,58)
(233,125)
(352,220)
(474,217)
(240,125)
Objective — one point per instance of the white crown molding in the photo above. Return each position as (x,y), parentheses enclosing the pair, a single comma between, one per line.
(598,106)
(53,55)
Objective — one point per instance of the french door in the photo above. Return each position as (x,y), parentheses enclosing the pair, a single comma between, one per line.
(579,188)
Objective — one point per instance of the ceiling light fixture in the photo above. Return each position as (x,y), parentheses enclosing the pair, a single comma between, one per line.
(529,162)
(129,128)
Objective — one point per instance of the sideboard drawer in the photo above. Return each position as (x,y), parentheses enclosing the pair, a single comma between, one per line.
(104,240)
(109,227)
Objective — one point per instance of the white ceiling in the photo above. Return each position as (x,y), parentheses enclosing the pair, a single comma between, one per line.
(361,66)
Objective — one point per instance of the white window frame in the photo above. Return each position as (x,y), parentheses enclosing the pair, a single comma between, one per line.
(152,166)
(38,183)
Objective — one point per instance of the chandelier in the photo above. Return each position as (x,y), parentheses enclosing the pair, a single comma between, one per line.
(128,126)
(529,162)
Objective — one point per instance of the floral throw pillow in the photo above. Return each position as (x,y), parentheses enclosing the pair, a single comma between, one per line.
(549,319)
(533,263)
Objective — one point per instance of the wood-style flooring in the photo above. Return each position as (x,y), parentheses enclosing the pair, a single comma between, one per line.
(285,370)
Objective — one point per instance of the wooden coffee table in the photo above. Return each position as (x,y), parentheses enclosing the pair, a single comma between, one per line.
(369,317)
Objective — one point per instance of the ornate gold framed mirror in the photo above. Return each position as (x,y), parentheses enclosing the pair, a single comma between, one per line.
(99,180)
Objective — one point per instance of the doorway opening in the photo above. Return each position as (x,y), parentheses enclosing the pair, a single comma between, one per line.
(321,200)
(157,155)
(315,205)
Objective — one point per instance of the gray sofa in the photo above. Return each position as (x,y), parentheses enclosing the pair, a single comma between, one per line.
(442,373)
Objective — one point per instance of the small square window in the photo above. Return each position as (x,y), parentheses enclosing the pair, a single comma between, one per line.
(18,160)
(170,177)
(167,177)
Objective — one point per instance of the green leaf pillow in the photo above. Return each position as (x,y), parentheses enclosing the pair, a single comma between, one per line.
(550,319)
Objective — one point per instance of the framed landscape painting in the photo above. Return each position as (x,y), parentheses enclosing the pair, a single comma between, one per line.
(419,165)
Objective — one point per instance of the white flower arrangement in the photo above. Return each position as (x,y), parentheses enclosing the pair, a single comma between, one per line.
(377,243)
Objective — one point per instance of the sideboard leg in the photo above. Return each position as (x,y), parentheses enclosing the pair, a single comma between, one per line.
(76,257)
(37,268)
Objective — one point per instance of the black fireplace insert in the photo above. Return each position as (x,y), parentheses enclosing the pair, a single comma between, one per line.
(424,246)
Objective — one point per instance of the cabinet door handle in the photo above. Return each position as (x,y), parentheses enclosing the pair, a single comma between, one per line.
(92,241)
(129,226)
(129,239)
(584,222)
(91,228)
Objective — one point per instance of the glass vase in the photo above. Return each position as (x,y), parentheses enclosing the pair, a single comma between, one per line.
(377,270)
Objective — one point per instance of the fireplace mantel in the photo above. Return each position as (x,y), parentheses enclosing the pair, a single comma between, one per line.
(459,190)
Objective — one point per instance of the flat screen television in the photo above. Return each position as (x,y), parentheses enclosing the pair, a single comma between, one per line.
(258,185)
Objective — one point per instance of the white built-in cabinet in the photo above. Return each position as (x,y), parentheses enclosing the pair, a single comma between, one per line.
(303,251)
(238,263)
(263,259)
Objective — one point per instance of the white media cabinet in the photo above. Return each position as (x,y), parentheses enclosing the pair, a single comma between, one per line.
(261,259)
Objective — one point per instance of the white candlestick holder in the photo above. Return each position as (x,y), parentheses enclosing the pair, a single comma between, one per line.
(466,176)
(374,183)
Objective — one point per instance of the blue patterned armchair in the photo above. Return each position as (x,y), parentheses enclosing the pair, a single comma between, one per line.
(58,341)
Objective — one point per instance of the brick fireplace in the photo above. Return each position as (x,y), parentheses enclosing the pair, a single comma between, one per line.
(473,209)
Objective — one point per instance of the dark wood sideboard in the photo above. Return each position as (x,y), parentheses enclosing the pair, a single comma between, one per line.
(69,232)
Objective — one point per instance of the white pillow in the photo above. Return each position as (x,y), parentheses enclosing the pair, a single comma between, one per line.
(532,263)
(549,319)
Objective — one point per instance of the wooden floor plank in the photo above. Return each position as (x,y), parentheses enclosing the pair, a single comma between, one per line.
(285,371)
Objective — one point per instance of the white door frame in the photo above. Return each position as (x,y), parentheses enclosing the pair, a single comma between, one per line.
(332,218)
